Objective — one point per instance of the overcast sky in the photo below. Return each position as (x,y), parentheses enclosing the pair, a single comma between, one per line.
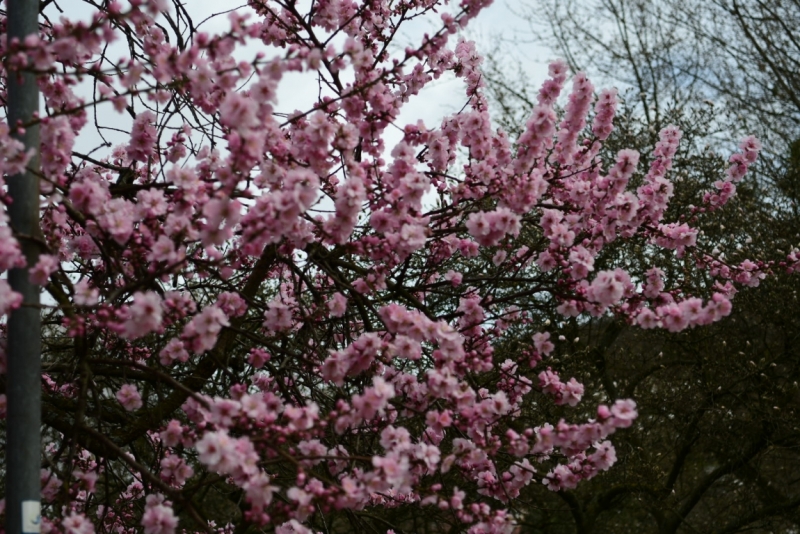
(298,91)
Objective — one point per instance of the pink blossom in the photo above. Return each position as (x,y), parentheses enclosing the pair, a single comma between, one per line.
(163,250)
(158,517)
(541,340)
(453,277)
(292,527)
(172,434)
(143,137)
(116,218)
(278,316)
(238,111)
(546,261)
(144,315)
(606,289)
(215,448)
(57,140)
(302,418)
(232,304)
(258,357)
(624,413)
(200,334)
(655,283)
(151,203)
(573,392)
(604,457)
(337,305)
(673,317)
(605,109)
(40,273)
(174,351)
(128,395)
(10,253)
(183,177)
(13,157)
(395,469)
(175,470)
(647,319)
(582,262)
(89,196)
(488,228)
(85,294)
(77,524)
(222,215)
(50,483)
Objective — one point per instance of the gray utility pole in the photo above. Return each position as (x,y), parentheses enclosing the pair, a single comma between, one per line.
(24,379)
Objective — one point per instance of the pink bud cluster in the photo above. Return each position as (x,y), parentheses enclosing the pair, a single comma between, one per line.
(739,163)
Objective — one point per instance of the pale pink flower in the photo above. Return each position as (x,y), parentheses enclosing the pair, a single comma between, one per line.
(174,469)
(175,350)
(201,332)
(144,315)
(57,140)
(541,340)
(163,250)
(116,218)
(606,290)
(223,412)
(293,527)
(85,294)
(258,357)
(143,137)
(454,277)
(76,523)
(573,392)
(150,203)
(647,319)
(546,261)
(605,456)
(128,395)
(238,111)
(222,215)
(183,177)
(172,434)
(214,448)
(10,253)
(89,196)
(337,305)
(259,491)
(278,317)
(158,517)
(232,304)
(40,273)
(624,412)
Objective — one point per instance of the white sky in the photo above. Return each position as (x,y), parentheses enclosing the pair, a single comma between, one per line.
(298,91)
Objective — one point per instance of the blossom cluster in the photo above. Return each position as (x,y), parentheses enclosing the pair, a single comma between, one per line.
(281,304)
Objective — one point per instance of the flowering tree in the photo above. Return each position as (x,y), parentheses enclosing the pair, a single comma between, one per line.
(717,406)
(273,321)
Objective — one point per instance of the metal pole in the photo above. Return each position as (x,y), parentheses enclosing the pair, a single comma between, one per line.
(23,447)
